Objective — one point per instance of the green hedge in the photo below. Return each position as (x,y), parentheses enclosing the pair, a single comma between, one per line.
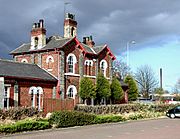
(108,119)
(74,118)
(122,108)
(24,126)
(71,118)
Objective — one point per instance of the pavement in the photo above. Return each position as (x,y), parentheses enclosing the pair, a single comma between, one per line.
(163,128)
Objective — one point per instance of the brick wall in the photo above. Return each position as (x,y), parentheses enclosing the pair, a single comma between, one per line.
(51,67)
(51,105)
(19,58)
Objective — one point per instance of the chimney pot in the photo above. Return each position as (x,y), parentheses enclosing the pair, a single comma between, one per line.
(41,21)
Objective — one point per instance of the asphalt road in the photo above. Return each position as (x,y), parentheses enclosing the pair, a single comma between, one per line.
(145,129)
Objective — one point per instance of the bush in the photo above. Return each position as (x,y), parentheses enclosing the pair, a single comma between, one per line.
(24,126)
(144,115)
(123,108)
(71,118)
(18,113)
(108,119)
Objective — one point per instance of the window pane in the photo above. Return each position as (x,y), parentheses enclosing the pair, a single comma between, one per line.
(70,93)
(70,64)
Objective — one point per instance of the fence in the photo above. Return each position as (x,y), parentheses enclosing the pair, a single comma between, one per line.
(51,105)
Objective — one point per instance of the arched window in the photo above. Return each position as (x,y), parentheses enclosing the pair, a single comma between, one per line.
(103,67)
(32,92)
(38,98)
(72,32)
(86,63)
(24,60)
(71,91)
(50,61)
(35,93)
(35,42)
(90,66)
(71,60)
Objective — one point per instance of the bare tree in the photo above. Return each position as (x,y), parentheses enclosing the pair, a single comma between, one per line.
(176,88)
(121,67)
(146,80)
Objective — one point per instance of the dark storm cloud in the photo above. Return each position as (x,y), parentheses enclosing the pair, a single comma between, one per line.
(109,21)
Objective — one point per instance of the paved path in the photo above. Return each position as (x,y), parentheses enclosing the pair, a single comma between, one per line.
(145,129)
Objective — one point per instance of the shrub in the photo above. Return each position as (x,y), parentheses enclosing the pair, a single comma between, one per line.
(71,118)
(18,113)
(116,90)
(123,108)
(102,87)
(133,89)
(144,115)
(108,119)
(87,89)
(24,126)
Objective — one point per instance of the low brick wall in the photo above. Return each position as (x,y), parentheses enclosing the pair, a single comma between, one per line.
(51,105)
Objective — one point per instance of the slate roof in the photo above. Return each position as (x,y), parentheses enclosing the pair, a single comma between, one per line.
(10,68)
(88,49)
(98,49)
(56,42)
(52,42)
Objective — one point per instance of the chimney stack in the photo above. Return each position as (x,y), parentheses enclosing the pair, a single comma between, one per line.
(161,78)
(70,26)
(88,41)
(41,22)
(38,35)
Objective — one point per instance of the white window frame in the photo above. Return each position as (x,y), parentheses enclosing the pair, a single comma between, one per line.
(6,95)
(48,59)
(90,63)
(40,92)
(74,91)
(34,91)
(74,61)
(24,60)
(104,68)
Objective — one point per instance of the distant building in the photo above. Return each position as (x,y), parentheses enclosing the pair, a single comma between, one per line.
(52,67)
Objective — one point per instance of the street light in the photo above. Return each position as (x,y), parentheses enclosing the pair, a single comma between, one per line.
(127,49)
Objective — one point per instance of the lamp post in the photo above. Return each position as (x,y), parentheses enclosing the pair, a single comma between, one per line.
(127,51)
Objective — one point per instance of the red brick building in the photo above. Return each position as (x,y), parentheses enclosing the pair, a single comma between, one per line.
(65,59)
(24,84)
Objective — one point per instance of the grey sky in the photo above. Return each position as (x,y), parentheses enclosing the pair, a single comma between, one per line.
(109,21)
